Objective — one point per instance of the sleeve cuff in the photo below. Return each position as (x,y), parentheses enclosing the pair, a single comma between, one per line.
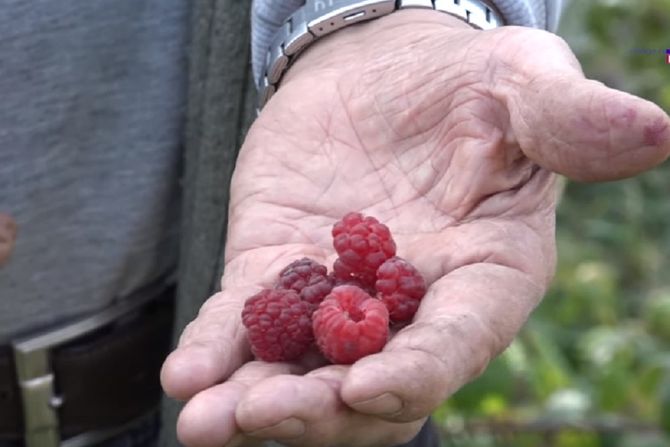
(268,15)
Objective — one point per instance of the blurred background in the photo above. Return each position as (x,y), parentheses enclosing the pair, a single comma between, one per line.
(592,366)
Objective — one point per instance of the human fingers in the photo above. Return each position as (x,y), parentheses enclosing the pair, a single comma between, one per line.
(208,419)
(467,317)
(572,125)
(307,411)
(215,344)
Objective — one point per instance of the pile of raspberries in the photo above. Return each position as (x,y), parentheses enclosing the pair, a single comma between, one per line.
(347,312)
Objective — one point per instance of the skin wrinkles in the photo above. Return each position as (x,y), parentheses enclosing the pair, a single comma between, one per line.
(405,94)
(588,125)
(273,230)
(407,104)
(378,172)
(494,248)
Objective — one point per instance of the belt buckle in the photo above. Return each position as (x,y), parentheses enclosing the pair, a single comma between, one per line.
(36,377)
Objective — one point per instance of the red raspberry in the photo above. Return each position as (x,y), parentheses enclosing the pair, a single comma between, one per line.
(400,286)
(362,243)
(349,324)
(307,277)
(278,325)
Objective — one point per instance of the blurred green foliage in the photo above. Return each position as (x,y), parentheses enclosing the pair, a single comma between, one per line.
(592,366)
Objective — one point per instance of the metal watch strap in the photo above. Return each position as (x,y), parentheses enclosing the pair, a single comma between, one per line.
(318,18)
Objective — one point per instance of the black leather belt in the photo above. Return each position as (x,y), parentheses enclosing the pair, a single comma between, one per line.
(82,383)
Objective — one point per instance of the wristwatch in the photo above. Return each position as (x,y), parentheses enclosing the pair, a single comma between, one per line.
(318,18)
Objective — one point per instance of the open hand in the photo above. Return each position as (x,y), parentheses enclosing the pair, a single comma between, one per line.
(449,135)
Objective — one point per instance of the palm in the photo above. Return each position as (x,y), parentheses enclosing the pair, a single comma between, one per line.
(441,167)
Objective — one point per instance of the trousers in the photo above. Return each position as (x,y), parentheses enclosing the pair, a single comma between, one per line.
(147,433)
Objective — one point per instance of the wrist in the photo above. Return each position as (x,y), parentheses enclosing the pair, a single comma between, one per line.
(320,18)
(352,45)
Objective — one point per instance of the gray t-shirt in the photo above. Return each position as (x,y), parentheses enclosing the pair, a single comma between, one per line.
(92,98)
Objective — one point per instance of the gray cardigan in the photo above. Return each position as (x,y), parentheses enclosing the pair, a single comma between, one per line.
(219,112)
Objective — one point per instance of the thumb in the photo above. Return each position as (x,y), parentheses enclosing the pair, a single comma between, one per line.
(581,128)
(210,349)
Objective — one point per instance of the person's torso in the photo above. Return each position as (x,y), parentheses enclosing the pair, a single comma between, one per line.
(91,119)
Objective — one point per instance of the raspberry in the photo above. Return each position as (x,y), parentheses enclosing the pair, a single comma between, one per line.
(278,325)
(308,278)
(349,324)
(362,243)
(367,283)
(400,286)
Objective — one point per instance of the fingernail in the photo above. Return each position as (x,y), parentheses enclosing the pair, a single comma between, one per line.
(385,404)
(286,429)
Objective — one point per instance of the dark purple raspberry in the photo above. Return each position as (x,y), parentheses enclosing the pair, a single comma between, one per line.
(308,278)
(401,287)
(279,325)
